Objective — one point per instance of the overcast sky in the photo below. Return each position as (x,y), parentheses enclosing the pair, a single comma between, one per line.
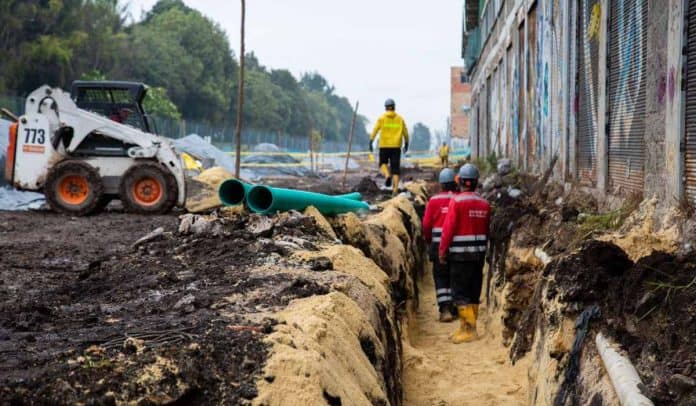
(368,49)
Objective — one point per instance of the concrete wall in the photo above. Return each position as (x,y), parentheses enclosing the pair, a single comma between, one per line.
(524,90)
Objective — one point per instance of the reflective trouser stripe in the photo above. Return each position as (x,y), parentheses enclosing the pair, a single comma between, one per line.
(478,237)
(481,248)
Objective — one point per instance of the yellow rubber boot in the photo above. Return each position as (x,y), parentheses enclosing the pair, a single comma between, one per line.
(385,170)
(395,185)
(467,327)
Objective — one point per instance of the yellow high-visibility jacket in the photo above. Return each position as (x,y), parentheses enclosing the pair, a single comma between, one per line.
(444,151)
(392,129)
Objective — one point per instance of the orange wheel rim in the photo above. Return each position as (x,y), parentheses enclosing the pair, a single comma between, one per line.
(147,191)
(73,189)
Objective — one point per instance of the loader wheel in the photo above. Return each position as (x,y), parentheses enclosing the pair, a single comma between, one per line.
(73,187)
(147,187)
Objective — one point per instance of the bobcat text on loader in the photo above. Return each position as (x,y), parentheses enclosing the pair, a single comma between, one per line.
(85,150)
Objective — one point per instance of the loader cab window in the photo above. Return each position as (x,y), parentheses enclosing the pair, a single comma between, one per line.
(119,101)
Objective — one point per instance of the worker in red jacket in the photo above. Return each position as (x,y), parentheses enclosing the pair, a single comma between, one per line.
(463,246)
(434,218)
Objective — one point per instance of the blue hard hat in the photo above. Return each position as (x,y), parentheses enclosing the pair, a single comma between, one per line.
(389,103)
(468,171)
(446,176)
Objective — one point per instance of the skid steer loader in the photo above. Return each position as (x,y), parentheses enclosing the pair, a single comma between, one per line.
(85,150)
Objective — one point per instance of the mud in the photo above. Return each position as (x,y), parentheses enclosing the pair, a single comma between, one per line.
(92,312)
(85,315)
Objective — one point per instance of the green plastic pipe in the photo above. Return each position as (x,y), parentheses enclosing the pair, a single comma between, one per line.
(265,200)
(233,192)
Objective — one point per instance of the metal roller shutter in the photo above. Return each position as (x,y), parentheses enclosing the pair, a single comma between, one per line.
(626,92)
(532,113)
(587,86)
(690,111)
(521,107)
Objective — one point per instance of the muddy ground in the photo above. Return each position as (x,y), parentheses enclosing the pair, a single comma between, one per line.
(88,315)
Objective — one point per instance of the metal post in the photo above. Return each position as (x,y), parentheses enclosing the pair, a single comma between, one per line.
(240,97)
(350,144)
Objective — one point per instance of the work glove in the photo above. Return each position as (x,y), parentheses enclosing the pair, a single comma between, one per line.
(405,148)
(370,145)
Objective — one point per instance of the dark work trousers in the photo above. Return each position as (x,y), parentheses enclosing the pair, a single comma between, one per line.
(441,275)
(466,277)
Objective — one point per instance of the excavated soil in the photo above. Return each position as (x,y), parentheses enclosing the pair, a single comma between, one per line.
(87,316)
(645,297)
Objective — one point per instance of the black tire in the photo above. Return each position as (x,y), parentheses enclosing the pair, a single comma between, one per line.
(139,183)
(103,202)
(74,187)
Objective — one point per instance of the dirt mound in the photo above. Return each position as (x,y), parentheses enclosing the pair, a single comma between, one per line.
(648,307)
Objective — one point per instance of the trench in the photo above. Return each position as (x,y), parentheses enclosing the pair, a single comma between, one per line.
(297,308)
(437,372)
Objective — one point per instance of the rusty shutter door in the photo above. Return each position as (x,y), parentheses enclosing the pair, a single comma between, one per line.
(521,121)
(690,111)
(532,111)
(587,87)
(626,94)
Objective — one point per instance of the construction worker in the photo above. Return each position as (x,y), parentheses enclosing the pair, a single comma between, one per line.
(444,155)
(463,246)
(393,133)
(434,218)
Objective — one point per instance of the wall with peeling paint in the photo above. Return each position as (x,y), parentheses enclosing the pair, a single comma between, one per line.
(528,84)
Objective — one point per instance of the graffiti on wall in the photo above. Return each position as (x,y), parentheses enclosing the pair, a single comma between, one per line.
(629,90)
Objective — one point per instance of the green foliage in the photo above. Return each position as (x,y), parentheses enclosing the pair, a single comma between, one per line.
(184,56)
(420,138)
(158,104)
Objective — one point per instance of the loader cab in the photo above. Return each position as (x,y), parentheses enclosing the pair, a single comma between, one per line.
(119,101)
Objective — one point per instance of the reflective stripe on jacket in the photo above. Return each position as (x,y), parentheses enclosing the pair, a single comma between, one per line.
(392,129)
(434,217)
(465,230)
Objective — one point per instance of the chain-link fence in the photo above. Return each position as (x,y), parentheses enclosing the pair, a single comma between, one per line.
(12,103)
(222,137)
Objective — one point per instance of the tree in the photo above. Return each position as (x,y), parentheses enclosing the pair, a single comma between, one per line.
(420,137)
(180,49)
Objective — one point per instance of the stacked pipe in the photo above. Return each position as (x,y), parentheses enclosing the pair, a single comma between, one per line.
(265,199)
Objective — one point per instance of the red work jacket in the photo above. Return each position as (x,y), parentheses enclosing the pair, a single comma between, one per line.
(465,230)
(434,218)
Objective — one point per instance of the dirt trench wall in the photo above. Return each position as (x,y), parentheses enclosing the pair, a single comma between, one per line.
(344,347)
(631,284)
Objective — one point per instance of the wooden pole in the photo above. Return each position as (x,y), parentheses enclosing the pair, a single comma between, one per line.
(350,144)
(240,98)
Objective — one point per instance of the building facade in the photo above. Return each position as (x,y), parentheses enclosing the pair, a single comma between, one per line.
(460,104)
(598,88)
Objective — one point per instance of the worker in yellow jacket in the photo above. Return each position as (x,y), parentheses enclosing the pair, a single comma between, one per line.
(444,155)
(393,134)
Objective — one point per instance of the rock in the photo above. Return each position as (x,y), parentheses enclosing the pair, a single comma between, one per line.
(259,226)
(185,301)
(321,264)
(491,182)
(681,384)
(200,225)
(156,234)
(504,166)
(514,192)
